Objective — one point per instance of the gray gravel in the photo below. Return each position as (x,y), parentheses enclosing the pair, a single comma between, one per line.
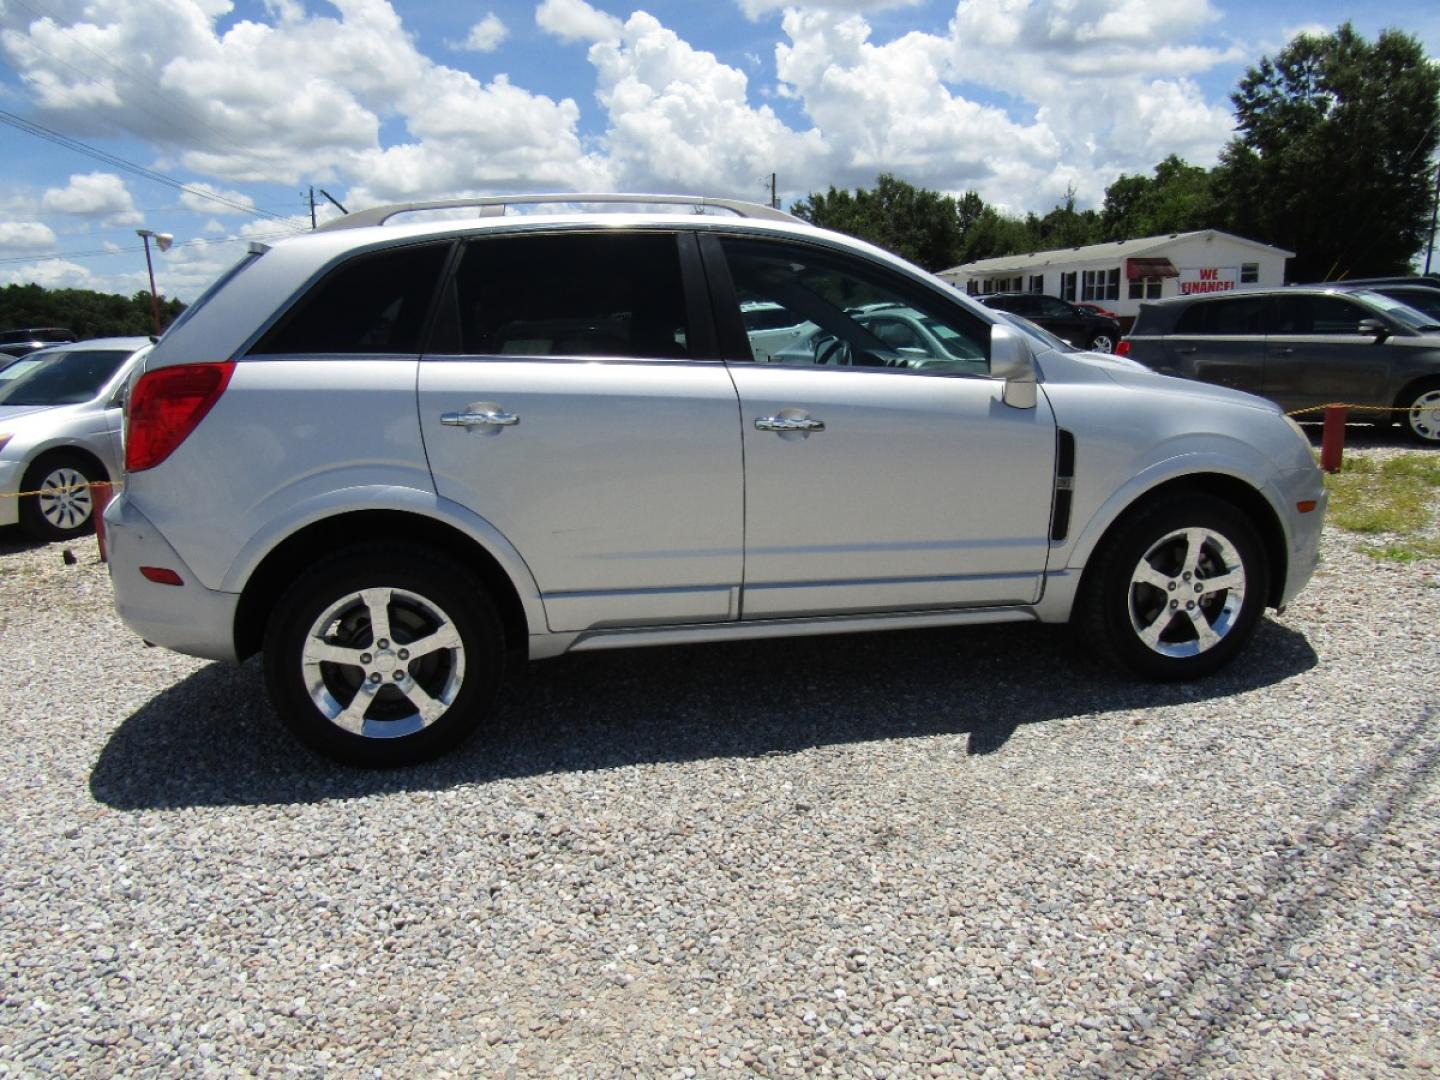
(958,853)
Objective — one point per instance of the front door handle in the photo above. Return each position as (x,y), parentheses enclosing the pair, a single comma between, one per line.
(488,418)
(788,423)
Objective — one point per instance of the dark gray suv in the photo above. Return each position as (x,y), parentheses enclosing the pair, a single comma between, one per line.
(1302,347)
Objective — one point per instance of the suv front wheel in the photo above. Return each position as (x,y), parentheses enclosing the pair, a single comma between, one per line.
(385,654)
(1177,589)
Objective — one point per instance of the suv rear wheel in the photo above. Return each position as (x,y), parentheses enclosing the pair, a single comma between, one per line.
(1177,589)
(385,654)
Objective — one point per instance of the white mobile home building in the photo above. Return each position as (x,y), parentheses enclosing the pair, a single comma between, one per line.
(1119,275)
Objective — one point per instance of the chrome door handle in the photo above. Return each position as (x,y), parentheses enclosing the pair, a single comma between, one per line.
(788,423)
(1187,350)
(1285,352)
(479,419)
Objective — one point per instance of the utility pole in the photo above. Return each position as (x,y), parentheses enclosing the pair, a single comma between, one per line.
(312,206)
(774,198)
(1434,212)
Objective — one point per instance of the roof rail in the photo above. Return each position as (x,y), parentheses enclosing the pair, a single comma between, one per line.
(494,206)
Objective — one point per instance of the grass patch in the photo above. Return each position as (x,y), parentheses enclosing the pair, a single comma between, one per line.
(1395,498)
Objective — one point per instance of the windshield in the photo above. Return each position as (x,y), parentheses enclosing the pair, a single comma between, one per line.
(62,377)
(1400,312)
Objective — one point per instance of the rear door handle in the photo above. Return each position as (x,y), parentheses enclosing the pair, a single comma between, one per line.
(788,423)
(489,418)
(1187,350)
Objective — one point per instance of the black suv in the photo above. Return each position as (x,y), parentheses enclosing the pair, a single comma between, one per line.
(1079,327)
(1302,347)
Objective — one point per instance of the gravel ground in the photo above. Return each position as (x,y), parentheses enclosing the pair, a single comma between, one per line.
(956,853)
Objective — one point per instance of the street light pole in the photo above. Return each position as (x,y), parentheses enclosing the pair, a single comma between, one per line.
(163,242)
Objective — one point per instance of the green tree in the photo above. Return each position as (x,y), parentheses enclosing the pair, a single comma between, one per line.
(1334,154)
(917,224)
(88,313)
(1178,198)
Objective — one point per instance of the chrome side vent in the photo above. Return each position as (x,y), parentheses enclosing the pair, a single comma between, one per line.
(1064,485)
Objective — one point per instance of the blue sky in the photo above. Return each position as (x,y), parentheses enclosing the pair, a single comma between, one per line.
(374,101)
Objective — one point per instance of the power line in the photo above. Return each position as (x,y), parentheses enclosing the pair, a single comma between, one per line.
(171,104)
(116,162)
(200,242)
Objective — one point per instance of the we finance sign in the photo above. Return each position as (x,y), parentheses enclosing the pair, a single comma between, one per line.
(1208,279)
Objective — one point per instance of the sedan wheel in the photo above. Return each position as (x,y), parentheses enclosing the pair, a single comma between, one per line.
(62,506)
(1422,416)
(1102,343)
(384,655)
(1177,588)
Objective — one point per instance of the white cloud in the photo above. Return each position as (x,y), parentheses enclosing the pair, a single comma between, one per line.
(20,237)
(50,274)
(99,195)
(485,36)
(192,200)
(575,20)
(754,9)
(681,120)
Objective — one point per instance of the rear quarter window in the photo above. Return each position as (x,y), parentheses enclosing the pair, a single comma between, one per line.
(373,303)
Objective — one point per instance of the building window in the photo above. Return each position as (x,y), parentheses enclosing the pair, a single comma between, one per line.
(1249,273)
(1037,283)
(972,288)
(1101,285)
(1146,288)
(1067,287)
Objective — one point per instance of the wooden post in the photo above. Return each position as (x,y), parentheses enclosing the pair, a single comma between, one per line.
(1332,446)
(99,499)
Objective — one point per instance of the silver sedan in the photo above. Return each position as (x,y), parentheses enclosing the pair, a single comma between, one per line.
(60,426)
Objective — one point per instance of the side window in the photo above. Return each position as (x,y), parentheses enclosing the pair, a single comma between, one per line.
(1056,309)
(1331,315)
(1241,316)
(573,294)
(375,303)
(842,301)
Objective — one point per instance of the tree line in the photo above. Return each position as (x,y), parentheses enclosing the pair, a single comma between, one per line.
(1333,159)
(90,314)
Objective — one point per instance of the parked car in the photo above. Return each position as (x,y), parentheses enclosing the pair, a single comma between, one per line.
(20,342)
(60,426)
(771,328)
(1302,347)
(397,458)
(900,336)
(1081,328)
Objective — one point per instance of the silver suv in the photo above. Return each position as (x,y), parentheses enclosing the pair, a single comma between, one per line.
(398,458)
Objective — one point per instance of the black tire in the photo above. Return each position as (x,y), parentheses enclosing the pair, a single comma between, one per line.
(418,706)
(65,508)
(1102,342)
(1153,628)
(1421,418)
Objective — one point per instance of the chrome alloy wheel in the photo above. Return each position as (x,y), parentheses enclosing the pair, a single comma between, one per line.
(383,663)
(64,498)
(1186,592)
(1423,416)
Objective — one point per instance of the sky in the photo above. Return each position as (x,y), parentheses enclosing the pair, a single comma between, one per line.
(212,120)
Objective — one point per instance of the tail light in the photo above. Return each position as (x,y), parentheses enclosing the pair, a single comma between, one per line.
(166,406)
(1123,349)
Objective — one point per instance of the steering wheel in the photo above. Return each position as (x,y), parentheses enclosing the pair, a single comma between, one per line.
(835,351)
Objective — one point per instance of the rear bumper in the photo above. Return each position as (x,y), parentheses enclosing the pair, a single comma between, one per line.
(188,618)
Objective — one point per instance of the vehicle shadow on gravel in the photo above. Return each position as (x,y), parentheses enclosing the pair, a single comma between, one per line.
(213,739)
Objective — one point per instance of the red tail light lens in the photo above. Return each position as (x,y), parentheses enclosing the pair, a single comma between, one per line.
(167,405)
(1123,349)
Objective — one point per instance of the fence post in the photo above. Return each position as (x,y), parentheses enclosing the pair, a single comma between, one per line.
(1332,446)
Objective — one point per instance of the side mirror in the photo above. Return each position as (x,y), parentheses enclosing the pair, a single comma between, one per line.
(1375,328)
(1011,360)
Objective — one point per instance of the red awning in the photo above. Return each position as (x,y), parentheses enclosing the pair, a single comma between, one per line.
(1149,268)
